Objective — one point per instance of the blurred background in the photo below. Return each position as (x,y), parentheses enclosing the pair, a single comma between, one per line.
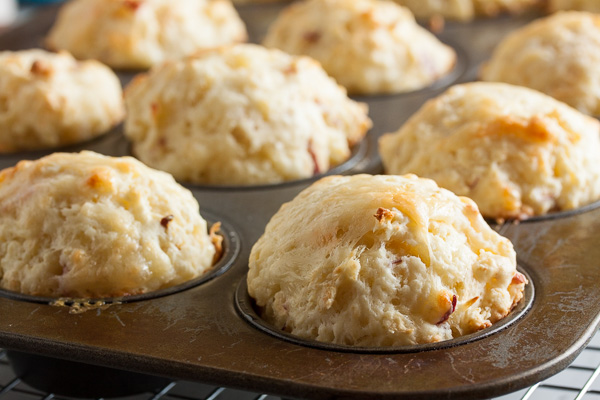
(9,9)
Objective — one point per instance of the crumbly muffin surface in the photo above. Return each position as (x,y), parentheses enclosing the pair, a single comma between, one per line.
(137,34)
(49,100)
(368,46)
(85,225)
(556,55)
(516,152)
(382,261)
(242,115)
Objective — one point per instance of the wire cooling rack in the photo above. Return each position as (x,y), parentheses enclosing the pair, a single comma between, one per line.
(579,381)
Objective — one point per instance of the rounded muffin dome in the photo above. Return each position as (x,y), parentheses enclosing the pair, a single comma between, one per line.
(86,225)
(515,151)
(51,99)
(368,46)
(242,115)
(557,55)
(382,261)
(141,33)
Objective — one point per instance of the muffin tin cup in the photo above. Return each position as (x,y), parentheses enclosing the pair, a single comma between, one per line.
(198,334)
(358,153)
(231,250)
(563,214)
(248,310)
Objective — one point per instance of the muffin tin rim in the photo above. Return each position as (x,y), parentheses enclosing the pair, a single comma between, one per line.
(246,310)
(231,251)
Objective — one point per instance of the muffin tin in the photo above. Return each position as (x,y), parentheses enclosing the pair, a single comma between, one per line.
(203,333)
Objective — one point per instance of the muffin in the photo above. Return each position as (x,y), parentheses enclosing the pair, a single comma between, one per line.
(368,46)
(466,10)
(581,5)
(242,115)
(558,55)
(49,100)
(89,226)
(382,261)
(136,34)
(515,151)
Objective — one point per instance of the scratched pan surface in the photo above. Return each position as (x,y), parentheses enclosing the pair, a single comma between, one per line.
(199,335)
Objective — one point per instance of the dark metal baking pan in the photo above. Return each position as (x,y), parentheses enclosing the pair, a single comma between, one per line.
(197,334)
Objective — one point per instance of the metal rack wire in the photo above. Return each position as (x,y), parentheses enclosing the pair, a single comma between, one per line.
(11,388)
(578,382)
